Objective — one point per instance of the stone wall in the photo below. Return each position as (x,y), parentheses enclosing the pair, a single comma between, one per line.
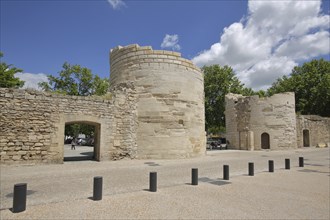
(32,124)
(247,118)
(317,131)
(170,100)
(155,109)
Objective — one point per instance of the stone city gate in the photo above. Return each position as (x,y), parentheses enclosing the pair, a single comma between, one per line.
(33,123)
(155,109)
(97,124)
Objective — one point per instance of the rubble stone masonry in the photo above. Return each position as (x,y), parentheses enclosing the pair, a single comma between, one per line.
(254,123)
(32,124)
(247,118)
(313,130)
(155,109)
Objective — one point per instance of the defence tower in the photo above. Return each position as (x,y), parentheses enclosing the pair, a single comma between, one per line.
(170,100)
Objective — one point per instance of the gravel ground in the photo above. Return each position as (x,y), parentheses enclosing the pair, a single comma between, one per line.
(63,191)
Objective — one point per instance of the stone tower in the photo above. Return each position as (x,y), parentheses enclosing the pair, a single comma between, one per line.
(261,123)
(155,109)
(170,100)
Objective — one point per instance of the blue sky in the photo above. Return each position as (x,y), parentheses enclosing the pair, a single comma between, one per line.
(261,40)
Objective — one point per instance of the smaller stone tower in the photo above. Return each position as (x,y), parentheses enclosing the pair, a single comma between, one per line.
(261,123)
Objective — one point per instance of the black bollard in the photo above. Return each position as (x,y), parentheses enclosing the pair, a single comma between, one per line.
(287,164)
(194,176)
(97,189)
(153,182)
(271,166)
(226,172)
(251,169)
(19,201)
(301,162)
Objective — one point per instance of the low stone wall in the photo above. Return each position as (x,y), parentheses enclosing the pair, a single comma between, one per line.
(32,124)
(313,130)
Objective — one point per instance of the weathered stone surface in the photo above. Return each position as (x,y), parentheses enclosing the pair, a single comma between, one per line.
(154,96)
(274,116)
(248,118)
(36,126)
(166,125)
(317,130)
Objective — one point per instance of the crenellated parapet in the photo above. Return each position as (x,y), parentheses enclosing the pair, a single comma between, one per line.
(145,56)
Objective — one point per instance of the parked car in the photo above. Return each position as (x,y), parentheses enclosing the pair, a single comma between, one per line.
(223,143)
(212,143)
(216,143)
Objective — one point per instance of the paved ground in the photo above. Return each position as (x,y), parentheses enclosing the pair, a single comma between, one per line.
(80,153)
(63,191)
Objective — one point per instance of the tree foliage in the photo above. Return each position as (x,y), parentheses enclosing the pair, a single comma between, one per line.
(311,85)
(76,80)
(79,81)
(7,75)
(219,81)
(74,130)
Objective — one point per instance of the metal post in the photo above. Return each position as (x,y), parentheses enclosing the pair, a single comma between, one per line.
(19,201)
(226,172)
(251,169)
(153,182)
(194,176)
(97,189)
(301,162)
(287,164)
(271,166)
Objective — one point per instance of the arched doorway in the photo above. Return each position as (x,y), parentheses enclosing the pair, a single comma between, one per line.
(306,142)
(265,143)
(86,136)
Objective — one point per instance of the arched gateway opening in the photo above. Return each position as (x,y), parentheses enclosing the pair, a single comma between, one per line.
(81,141)
(265,143)
(306,138)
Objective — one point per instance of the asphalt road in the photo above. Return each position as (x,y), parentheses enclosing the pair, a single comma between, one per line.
(63,191)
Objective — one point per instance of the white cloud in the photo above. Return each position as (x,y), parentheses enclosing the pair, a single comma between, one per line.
(305,47)
(116,4)
(32,79)
(171,41)
(266,71)
(270,41)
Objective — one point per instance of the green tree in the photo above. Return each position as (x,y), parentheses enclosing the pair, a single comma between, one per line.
(79,81)
(76,80)
(72,130)
(7,75)
(311,85)
(261,93)
(219,81)
(75,129)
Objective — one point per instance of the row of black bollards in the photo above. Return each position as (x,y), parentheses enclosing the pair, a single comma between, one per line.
(271,166)
(20,190)
(97,188)
(19,201)
(287,164)
(153,182)
(251,169)
(226,172)
(194,176)
(301,162)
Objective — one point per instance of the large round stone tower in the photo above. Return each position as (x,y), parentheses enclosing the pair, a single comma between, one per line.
(170,100)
